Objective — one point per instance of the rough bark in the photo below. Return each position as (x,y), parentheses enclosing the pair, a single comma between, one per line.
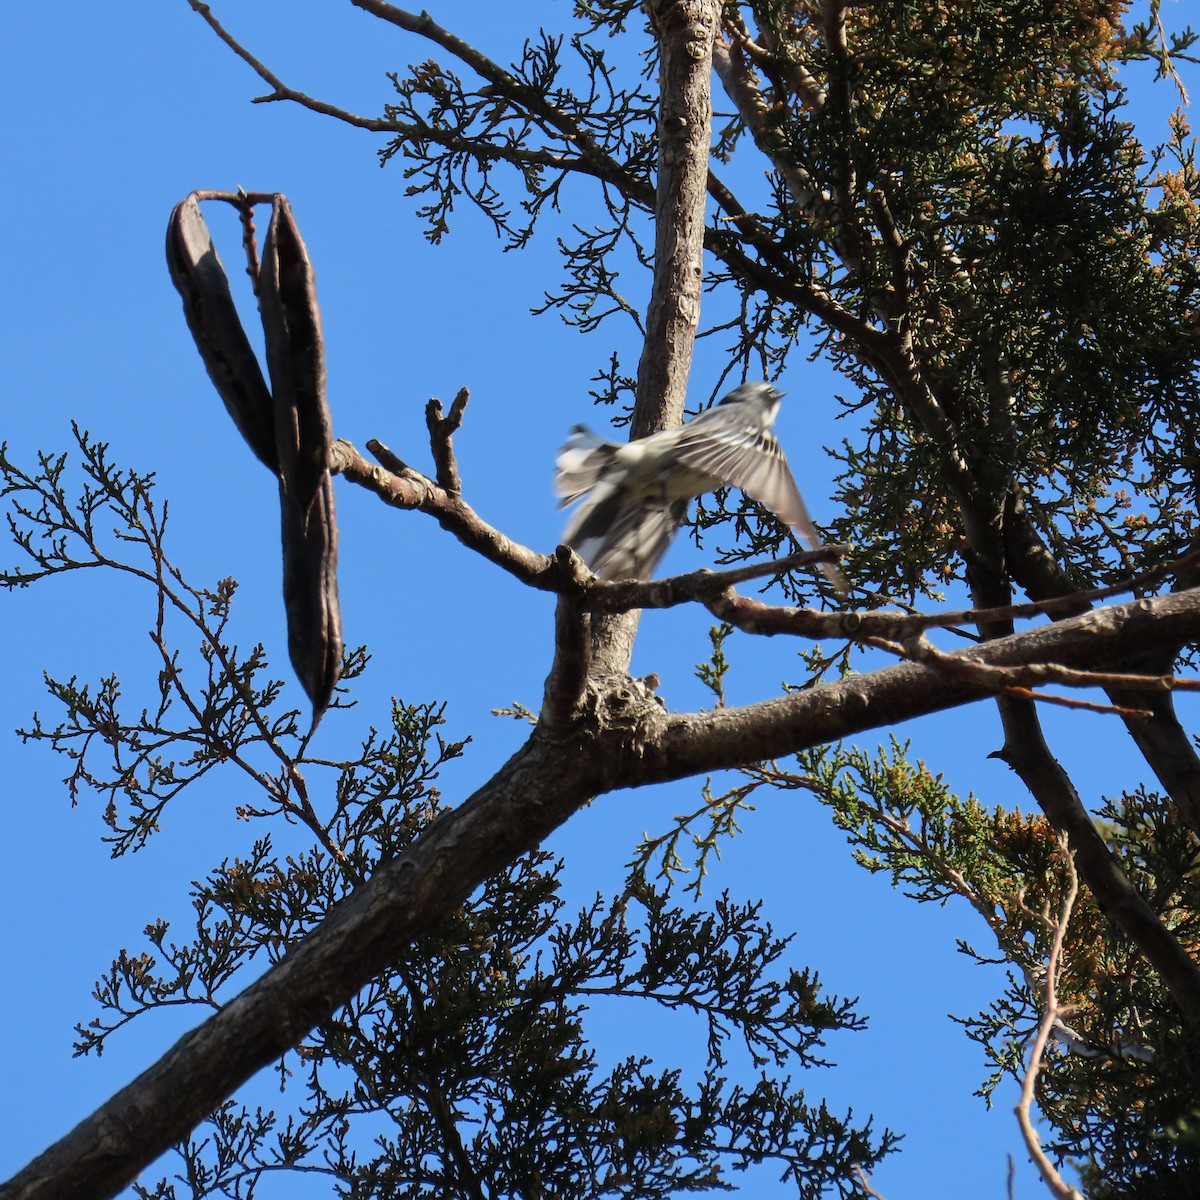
(685,30)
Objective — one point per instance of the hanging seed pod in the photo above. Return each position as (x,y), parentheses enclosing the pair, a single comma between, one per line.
(287,426)
(208,307)
(287,298)
(310,592)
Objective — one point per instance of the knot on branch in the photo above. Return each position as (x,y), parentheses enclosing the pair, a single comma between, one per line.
(625,711)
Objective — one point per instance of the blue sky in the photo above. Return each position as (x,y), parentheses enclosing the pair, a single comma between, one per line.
(114,113)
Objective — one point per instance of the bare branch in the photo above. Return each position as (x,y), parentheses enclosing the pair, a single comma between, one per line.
(1050,1176)
(280,90)
(1166,746)
(402,487)
(864,1181)
(441,440)
(1017,681)
(1025,750)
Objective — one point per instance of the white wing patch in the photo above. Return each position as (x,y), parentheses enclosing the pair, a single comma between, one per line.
(580,462)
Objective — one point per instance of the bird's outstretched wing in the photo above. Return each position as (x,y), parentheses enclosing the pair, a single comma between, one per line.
(749,457)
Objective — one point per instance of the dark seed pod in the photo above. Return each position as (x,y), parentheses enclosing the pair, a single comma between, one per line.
(287,297)
(287,426)
(208,307)
(310,592)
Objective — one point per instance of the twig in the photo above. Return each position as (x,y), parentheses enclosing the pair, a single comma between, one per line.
(1018,680)
(392,462)
(864,1182)
(1166,67)
(441,440)
(1050,1176)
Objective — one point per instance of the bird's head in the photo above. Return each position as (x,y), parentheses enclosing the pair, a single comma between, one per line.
(758,393)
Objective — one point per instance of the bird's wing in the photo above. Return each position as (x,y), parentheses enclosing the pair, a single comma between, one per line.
(749,457)
(580,462)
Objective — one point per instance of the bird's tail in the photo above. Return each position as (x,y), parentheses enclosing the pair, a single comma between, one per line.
(580,463)
(623,539)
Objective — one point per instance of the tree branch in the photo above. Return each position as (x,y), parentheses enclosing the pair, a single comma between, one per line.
(1025,750)
(1052,1179)
(685,30)
(441,441)
(1163,742)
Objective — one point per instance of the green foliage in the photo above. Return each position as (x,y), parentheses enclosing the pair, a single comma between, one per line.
(1121,1081)
(976,193)
(1120,1090)
(455,137)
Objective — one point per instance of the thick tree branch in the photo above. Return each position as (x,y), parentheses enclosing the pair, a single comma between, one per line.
(566,684)
(685,30)
(1163,742)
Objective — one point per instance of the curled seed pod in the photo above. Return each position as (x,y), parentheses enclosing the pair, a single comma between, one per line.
(208,307)
(310,591)
(287,298)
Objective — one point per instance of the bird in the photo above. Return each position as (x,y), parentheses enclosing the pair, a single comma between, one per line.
(636,493)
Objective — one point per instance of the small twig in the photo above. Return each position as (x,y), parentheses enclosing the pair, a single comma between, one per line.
(896,250)
(1019,680)
(244,202)
(399,485)
(1050,1176)
(280,90)
(249,241)
(392,462)
(1166,67)
(864,1182)
(441,440)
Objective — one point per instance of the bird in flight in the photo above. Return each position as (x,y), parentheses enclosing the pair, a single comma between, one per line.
(636,493)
